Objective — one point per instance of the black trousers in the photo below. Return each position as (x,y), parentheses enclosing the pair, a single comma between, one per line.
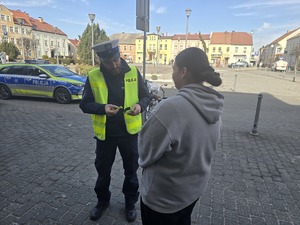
(105,157)
(151,217)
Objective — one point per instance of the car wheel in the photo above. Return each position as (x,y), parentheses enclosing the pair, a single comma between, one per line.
(62,96)
(5,92)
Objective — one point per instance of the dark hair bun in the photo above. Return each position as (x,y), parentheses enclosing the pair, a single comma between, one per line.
(196,61)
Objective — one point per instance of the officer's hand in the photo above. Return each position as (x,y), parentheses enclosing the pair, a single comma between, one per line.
(111,110)
(135,110)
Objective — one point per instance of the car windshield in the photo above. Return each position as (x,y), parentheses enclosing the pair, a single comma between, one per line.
(58,71)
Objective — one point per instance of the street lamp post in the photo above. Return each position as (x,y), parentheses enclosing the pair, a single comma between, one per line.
(21,22)
(92,18)
(156,61)
(188,13)
(56,47)
(158,30)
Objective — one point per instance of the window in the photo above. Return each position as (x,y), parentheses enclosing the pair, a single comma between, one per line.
(245,49)
(11,29)
(15,70)
(166,46)
(51,43)
(214,49)
(130,47)
(220,49)
(4,28)
(16,30)
(4,70)
(46,43)
(12,40)
(124,47)
(160,47)
(2,17)
(7,18)
(32,71)
(228,49)
(236,49)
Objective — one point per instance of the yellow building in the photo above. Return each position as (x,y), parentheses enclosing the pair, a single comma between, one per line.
(158,49)
(6,23)
(164,49)
(229,47)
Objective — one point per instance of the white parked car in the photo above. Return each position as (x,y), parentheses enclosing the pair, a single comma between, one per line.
(279,65)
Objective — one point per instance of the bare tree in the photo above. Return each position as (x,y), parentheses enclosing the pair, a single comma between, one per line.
(26,44)
(203,42)
(296,53)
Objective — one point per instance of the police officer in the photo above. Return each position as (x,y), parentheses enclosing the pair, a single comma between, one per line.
(115,95)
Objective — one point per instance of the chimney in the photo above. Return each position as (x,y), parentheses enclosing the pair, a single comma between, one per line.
(41,19)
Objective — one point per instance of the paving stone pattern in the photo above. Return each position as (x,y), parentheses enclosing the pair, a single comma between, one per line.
(47,172)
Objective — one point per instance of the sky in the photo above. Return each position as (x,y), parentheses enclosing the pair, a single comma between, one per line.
(266,19)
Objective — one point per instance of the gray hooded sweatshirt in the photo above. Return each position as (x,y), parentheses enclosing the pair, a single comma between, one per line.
(176,146)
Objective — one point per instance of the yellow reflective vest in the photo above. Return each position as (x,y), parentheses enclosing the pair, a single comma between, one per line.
(100,92)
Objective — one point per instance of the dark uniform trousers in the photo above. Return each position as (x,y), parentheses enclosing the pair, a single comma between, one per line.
(105,157)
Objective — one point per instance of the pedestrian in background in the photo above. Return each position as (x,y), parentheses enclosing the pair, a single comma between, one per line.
(115,95)
(177,143)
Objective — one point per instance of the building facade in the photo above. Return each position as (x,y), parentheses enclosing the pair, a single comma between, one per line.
(127,45)
(275,50)
(33,37)
(292,52)
(181,41)
(73,47)
(229,47)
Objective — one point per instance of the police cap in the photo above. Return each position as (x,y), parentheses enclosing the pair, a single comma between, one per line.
(107,49)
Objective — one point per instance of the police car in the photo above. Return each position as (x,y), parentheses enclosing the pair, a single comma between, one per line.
(40,80)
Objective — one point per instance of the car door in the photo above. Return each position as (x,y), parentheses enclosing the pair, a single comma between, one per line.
(13,76)
(37,85)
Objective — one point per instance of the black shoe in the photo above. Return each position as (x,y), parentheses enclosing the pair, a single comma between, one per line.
(98,211)
(130,214)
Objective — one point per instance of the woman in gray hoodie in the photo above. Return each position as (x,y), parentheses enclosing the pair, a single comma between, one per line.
(177,143)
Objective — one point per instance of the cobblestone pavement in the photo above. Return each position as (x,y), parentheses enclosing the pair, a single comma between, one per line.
(47,173)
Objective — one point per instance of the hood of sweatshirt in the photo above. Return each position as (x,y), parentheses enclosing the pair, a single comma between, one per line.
(208,102)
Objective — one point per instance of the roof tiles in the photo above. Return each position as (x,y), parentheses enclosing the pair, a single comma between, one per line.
(232,38)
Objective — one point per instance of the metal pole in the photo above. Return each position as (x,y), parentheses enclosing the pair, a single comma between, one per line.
(156,61)
(188,13)
(235,78)
(93,56)
(187,28)
(22,43)
(55,29)
(92,18)
(145,39)
(254,129)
